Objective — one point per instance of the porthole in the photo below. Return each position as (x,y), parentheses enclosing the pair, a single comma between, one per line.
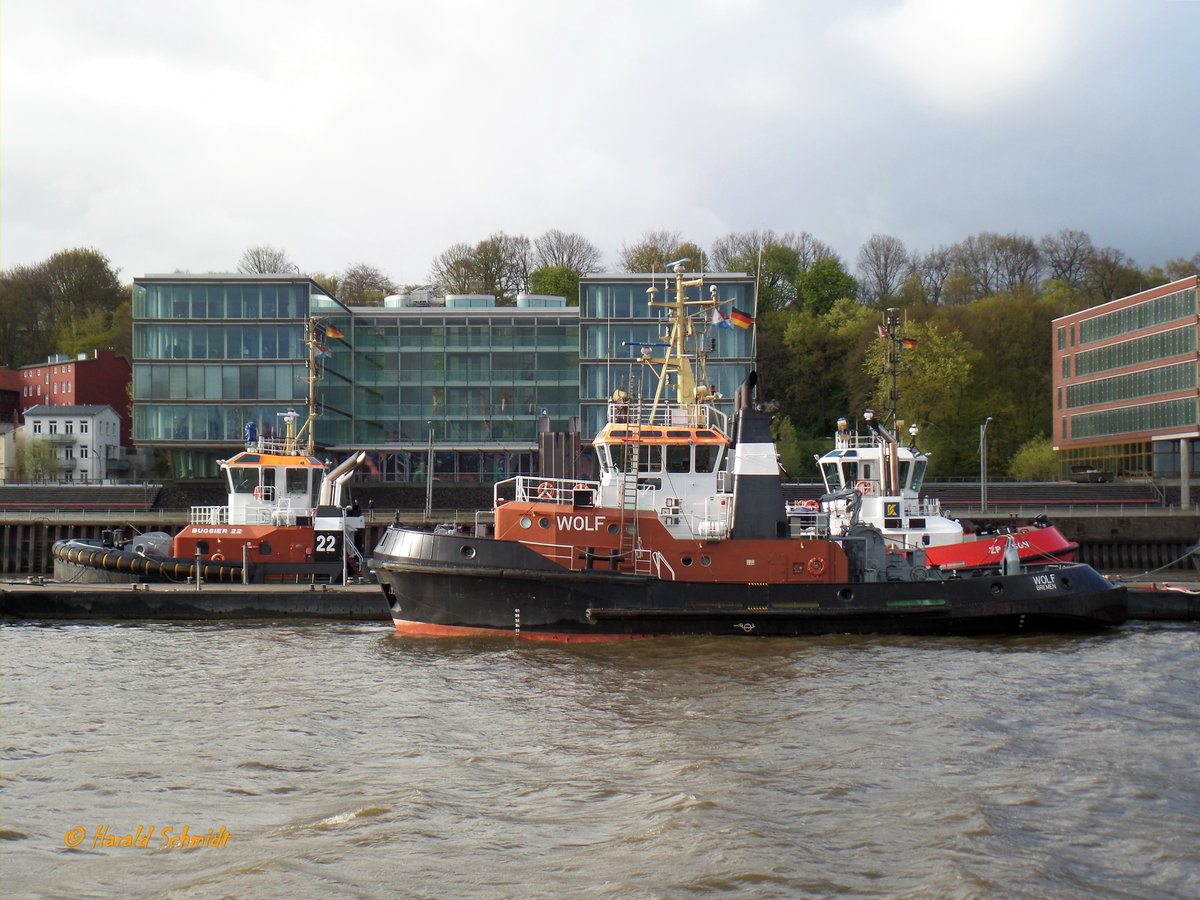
(686,560)
(526,522)
(613,528)
(467,552)
(706,560)
(845,595)
(997,588)
(543,522)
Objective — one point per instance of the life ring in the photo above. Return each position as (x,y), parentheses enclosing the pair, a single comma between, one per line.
(580,487)
(816,565)
(810,505)
(258,493)
(216,557)
(545,490)
(863,487)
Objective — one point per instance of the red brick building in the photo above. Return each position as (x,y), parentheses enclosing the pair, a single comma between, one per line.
(100,380)
(1127,383)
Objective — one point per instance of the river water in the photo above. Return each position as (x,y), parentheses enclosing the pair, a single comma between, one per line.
(324,761)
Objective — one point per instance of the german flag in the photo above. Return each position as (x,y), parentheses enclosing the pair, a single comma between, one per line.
(740,319)
(333,331)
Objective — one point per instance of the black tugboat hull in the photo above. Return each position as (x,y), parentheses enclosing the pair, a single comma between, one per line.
(459,585)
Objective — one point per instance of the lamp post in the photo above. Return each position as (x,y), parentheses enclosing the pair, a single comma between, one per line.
(983,464)
(429,475)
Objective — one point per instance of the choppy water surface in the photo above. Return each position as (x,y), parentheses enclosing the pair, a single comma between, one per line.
(344,762)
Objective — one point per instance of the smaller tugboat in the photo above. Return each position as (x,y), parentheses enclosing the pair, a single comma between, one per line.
(284,519)
(686,532)
(889,475)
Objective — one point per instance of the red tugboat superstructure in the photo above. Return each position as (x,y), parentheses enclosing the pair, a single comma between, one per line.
(686,532)
(284,518)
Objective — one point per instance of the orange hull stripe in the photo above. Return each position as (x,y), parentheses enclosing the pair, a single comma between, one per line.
(407,628)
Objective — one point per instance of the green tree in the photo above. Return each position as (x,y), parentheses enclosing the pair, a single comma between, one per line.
(560,281)
(824,283)
(936,383)
(37,460)
(776,270)
(1035,460)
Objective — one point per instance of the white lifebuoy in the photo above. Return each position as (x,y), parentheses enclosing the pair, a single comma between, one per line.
(545,490)
(863,487)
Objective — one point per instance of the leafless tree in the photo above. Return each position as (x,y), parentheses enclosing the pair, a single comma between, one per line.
(1181,267)
(502,264)
(1112,274)
(1018,263)
(265,260)
(748,244)
(651,252)
(933,269)
(364,285)
(882,266)
(557,248)
(454,269)
(1065,256)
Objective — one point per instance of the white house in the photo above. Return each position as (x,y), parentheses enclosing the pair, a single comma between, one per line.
(86,439)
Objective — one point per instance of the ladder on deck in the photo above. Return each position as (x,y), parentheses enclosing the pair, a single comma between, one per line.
(630,541)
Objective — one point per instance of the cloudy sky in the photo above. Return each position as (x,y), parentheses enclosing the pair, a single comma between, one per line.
(172,135)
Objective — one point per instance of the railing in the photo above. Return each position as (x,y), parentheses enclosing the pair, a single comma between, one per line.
(664,415)
(528,489)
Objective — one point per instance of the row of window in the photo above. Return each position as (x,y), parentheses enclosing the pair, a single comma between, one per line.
(1169,414)
(68,426)
(434,366)
(35,390)
(220,342)
(408,334)
(212,382)
(498,400)
(630,301)
(1144,383)
(222,301)
(1162,345)
(624,340)
(449,430)
(211,423)
(1168,308)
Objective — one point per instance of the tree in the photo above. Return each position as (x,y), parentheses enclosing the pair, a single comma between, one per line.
(364,285)
(936,382)
(49,301)
(558,281)
(265,260)
(37,460)
(824,283)
(882,265)
(933,269)
(454,269)
(1112,274)
(652,251)
(1036,460)
(1181,267)
(776,268)
(1065,256)
(574,251)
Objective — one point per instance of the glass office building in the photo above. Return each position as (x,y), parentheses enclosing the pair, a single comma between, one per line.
(482,378)
(615,317)
(1127,383)
(214,352)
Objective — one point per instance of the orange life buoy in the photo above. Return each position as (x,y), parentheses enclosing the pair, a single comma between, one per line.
(809,504)
(816,565)
(863,487)
(545,490)
(217,557)
(580,487)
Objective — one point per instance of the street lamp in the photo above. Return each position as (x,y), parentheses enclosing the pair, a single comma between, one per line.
(983,464)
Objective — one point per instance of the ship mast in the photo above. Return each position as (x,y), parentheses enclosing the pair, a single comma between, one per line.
(675,360)
(308,428)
